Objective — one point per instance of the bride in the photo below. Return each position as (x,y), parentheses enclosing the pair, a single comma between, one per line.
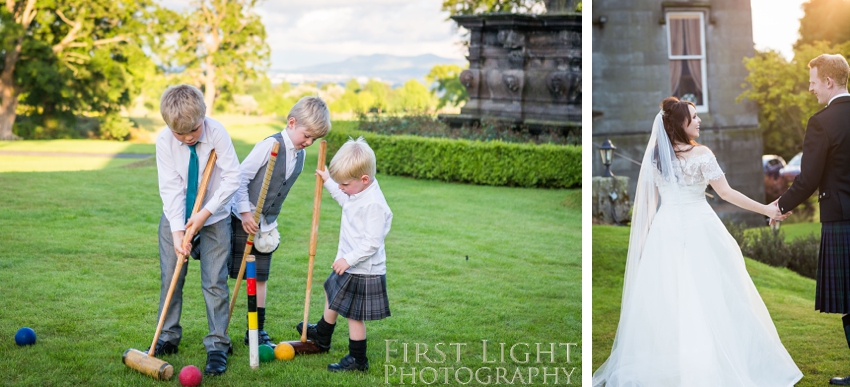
(690,314)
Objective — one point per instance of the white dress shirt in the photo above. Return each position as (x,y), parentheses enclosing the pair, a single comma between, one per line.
(839,95)
(172,165)
(366,221)
(259,157)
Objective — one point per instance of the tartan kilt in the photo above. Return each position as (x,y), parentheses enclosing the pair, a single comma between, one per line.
(833,277)
(358,296)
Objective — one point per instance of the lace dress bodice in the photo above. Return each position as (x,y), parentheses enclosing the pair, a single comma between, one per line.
(693,174)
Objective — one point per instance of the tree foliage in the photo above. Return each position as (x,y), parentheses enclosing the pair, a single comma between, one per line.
(222,45)
(74,57)
(446,81)
(470,7)
(824,20)
(780,88)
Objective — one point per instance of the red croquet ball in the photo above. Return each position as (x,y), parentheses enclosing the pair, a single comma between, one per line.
(190,376)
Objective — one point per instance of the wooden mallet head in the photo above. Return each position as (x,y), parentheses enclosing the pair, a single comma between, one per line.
(148,365)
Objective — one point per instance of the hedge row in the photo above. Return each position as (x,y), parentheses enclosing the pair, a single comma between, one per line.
(487,163)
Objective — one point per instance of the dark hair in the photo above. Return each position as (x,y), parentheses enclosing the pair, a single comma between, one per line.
(676,113)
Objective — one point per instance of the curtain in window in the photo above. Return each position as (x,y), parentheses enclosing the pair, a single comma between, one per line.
(685,39)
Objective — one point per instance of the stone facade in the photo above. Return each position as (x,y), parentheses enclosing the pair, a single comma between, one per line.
(523,69)
(631,75)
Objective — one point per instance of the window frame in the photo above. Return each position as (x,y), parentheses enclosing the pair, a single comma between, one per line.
(702,58)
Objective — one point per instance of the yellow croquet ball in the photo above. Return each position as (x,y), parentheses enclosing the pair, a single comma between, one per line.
(284,351)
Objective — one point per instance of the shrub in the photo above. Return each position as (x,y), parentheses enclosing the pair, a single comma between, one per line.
(114,127)
(768,246)
(487,163)
(485,130)
(804,255)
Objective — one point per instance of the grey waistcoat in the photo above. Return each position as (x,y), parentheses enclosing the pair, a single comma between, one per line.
(278,186)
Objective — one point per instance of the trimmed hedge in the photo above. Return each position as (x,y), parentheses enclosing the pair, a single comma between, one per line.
(487,163)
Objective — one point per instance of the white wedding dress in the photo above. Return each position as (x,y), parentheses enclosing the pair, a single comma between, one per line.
(693,316)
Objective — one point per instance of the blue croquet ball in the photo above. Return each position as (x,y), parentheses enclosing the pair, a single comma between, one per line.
(25,336)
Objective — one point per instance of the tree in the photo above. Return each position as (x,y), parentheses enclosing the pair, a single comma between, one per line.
(222,44)
(61,57)
(780,88)
(824,20)
(447,86)
(469,7)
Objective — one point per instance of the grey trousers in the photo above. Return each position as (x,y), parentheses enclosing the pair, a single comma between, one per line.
(215,251)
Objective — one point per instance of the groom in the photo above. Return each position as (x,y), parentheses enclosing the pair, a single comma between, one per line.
(826,167)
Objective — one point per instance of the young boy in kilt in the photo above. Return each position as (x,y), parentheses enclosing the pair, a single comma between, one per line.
(308,120)
(357,287)
(182,150)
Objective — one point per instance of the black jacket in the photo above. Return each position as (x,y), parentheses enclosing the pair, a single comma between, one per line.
(826,164)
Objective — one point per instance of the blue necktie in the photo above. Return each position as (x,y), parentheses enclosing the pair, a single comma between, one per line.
(192,187)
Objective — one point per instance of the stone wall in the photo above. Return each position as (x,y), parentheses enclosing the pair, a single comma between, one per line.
(631,77)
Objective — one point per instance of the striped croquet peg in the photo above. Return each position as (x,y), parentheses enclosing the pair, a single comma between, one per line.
(251,285)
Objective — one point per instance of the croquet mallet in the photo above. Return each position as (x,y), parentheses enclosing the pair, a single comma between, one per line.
(146,363)
(249,244)
(304,346)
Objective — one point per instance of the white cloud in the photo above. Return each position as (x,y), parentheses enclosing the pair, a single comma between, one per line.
(302,33)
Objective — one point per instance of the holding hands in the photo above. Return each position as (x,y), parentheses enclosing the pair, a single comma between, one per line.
(775,214)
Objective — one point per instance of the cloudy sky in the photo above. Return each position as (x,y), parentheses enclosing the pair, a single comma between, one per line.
(308,32)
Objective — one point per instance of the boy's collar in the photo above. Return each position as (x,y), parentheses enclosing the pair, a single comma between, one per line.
(370,188)
(287,142)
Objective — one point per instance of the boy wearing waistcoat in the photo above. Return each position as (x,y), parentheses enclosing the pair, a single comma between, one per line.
(308,120)
(182,151)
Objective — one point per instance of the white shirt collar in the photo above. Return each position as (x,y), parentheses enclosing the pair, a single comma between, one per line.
(840,95)
(287,142)
(364,192)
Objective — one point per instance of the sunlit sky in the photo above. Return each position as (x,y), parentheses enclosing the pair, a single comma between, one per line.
(776,24)
(308,32)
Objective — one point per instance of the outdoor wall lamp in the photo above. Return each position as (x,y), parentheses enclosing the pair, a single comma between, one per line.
(606,152)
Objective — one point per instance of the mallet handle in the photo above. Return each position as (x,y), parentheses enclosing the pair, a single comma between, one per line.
(187,237)
(249,244)
(314,235)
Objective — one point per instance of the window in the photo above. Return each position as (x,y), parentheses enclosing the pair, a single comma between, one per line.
(686,51)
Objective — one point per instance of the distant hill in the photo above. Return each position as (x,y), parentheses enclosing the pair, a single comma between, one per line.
(391,68)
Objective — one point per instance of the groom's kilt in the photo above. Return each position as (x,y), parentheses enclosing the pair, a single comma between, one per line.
(833,278)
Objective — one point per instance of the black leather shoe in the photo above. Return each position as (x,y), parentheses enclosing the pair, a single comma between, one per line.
(163,348)
(845,381)
(262,338)
(347,363)
(216,363)
(324,343)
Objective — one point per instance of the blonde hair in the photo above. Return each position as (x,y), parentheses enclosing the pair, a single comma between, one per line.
(182,106)
(354,159)
(833,66)
(313,114)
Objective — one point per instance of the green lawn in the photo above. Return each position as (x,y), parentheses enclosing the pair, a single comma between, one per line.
(465,263)
(814,340)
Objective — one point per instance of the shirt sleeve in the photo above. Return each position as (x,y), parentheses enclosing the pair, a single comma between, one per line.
(171,187)
(258,157)
(374,220)
(227,160)
(336,193)
(710,169)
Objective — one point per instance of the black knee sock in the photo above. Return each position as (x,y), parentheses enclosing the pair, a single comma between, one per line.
(357,349)
(323,328)
(261,318)
(846,320)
